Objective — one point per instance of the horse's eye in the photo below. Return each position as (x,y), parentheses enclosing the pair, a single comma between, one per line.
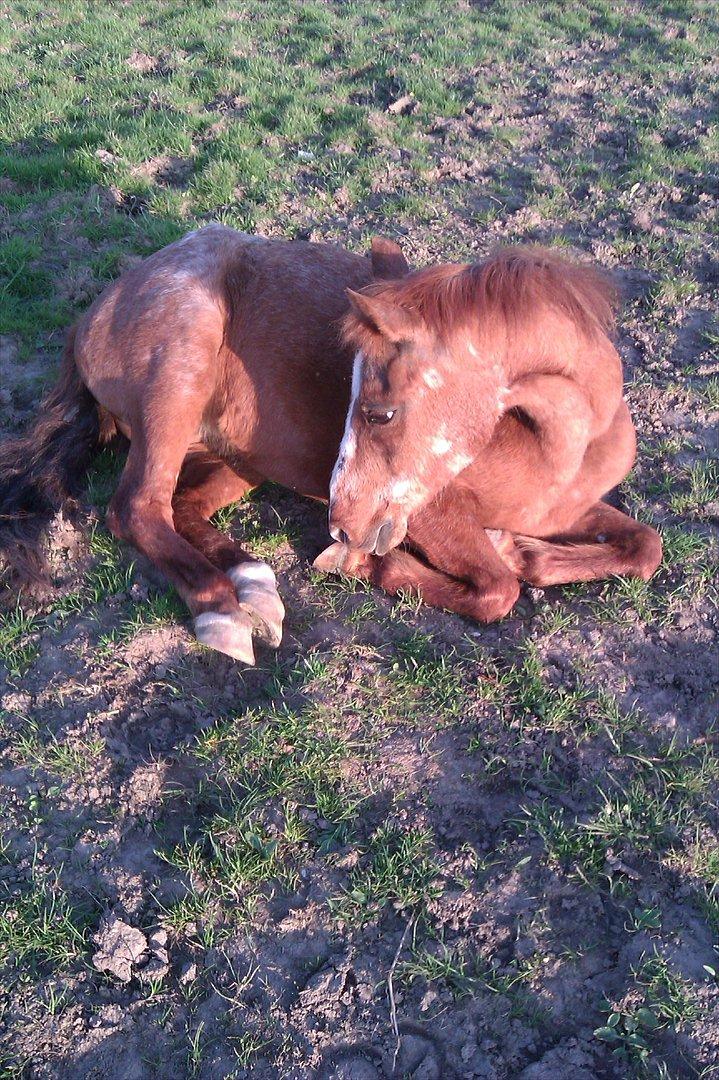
(376,415)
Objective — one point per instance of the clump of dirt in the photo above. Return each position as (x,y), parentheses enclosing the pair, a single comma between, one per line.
(122,949)
(166,169)
(162,64)
(229,103)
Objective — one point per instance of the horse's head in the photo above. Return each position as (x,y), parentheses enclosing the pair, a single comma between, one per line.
(423,402)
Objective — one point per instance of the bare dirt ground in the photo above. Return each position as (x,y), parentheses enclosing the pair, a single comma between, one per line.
(404,845)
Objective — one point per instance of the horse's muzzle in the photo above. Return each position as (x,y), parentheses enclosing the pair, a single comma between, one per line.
(378,540)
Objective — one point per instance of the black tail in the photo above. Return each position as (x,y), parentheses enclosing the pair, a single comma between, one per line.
(44,467)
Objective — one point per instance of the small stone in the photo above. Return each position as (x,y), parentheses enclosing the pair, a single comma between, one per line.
(188,975)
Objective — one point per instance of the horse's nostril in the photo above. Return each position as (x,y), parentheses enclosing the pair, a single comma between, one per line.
(339,534)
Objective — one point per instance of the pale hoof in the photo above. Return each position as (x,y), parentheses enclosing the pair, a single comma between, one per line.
(229,634)
(338,559)
(256,591)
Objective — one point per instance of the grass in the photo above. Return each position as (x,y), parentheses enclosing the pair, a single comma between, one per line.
(398,870)
(18,640)
(443,965)
(710,393)
(646,814)
(667,1001)
(534,801)
(110,574)
(40,927)
(420,671)
(293,755)
(279,797)
(61,757)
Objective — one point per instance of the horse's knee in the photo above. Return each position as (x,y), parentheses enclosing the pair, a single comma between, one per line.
(129,517)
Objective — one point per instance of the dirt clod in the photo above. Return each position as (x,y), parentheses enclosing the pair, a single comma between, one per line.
(122,948)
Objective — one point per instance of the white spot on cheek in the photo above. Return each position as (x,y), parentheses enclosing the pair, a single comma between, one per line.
(432,378)
(458,462)
(439,445)
(502,395)
(471,349)
(399,489)
(407,492)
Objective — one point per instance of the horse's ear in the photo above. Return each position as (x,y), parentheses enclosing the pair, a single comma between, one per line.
(387,259)
(389,320)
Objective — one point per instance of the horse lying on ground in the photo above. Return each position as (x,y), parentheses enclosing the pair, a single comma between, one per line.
(481,405)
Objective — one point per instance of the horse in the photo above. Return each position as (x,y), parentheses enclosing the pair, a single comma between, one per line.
(461,421)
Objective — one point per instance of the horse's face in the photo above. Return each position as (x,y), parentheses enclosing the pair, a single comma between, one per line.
(420,409)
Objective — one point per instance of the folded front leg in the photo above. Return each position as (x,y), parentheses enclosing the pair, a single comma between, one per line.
(448,534)
(448,559)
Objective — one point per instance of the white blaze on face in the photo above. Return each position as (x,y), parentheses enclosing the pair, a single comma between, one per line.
(348,446)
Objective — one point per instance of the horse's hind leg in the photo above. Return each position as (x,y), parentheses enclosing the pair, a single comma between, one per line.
(205,485)
(602,542)
(141,513)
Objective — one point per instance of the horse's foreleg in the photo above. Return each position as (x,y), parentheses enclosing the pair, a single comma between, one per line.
(403,571)
(452,563)
(447,534)
(206,484)
(602,542)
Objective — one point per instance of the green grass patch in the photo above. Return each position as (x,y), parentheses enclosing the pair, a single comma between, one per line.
(19,640)
(40,926)
(398,869)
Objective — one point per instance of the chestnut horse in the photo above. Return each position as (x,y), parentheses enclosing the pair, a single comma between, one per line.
(477,410)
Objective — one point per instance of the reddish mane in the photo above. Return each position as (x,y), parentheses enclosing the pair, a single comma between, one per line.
(512,284)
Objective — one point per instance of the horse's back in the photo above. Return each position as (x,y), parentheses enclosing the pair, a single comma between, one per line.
(214,284)
(247,324)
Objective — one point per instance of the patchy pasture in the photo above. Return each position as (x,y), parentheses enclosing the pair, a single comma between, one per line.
(404,845)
